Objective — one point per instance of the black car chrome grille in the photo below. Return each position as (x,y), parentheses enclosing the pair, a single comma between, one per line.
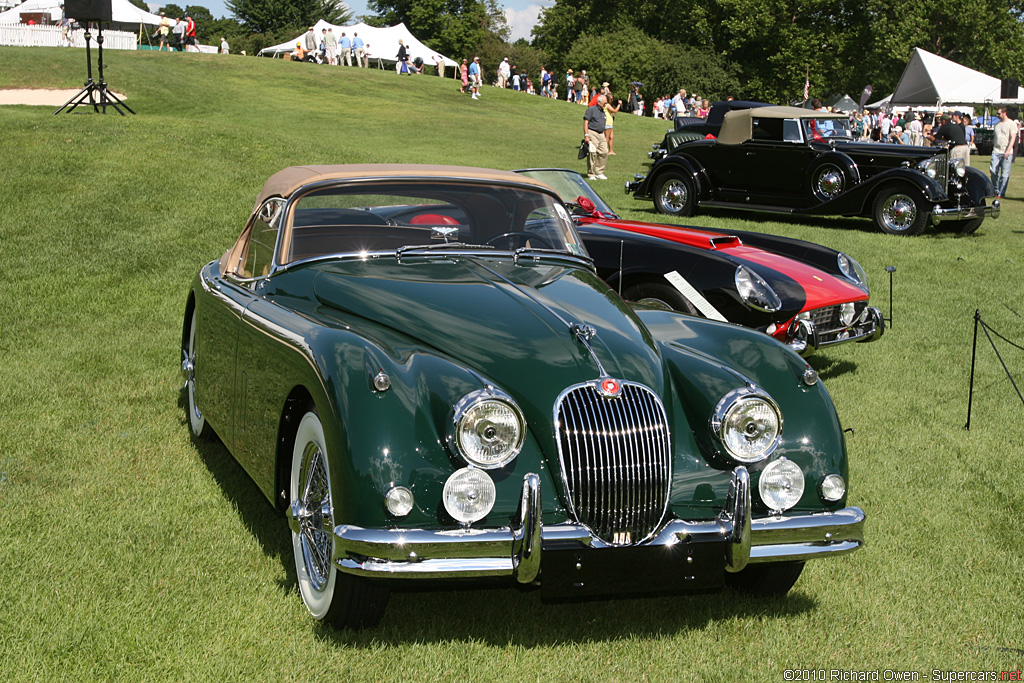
(616,460)
(942,172)
(827,324)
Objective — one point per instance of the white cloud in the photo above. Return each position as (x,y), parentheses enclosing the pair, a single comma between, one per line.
(522,21)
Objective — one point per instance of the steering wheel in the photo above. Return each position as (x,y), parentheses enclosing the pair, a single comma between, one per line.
(521,235)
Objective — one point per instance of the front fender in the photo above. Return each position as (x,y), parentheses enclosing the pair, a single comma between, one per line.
(979,186)
(675,162)
(857,200)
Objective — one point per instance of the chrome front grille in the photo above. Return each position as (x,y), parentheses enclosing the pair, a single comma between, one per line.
(616,460)
(828,325)
(942,172)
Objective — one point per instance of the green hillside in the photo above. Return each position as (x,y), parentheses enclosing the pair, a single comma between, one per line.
(128,552)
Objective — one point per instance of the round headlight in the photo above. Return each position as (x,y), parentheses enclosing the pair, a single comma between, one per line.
(398,501)
(929,166)
(846,313)
(832,488)
(852,270)
(755,292)
(959,168)
(781,484)
(468,495)
(748,424)
(488,429)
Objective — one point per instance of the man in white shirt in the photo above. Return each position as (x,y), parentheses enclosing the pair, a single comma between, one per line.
(1002,152)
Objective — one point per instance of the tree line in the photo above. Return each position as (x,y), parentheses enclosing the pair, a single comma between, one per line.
(750,49)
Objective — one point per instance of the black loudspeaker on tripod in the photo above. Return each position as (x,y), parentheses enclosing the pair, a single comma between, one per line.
(96,94)
(1009,88)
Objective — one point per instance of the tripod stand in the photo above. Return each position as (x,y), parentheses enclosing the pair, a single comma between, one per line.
(96,94)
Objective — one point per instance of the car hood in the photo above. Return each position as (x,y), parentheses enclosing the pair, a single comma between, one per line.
(793,280)
(511,323)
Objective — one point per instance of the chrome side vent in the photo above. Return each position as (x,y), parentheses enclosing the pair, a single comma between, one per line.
(615,453)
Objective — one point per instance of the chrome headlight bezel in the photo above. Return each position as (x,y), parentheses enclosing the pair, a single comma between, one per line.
(755,291)
(959,167)
(732,408)
(781,485)
(929,167)
(472,407)
(852,270)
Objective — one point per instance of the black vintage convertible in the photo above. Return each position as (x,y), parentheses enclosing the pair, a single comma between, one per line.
(798,161)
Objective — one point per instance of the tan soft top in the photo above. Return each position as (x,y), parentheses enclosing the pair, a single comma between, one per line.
(285,182)
(736,126)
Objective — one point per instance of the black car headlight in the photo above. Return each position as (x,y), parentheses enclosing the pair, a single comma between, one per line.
(487,429)
(755,292)
(852,270)
(930,167)
(748,424)
(959,167)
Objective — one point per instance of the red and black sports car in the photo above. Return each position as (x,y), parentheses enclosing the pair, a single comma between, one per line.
(803,294)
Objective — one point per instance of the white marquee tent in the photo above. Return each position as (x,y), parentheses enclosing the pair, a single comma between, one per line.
(933,81)
(382,43)
(124,13)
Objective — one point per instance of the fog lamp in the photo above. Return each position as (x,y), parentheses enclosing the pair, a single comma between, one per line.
(468,495)
(781,485)
(398,501)
(846,313)
(832,488)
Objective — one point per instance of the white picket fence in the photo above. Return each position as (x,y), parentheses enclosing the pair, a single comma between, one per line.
(23,35)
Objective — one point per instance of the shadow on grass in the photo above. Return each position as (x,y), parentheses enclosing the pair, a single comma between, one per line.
(829,368)
(497,615)
(266,524)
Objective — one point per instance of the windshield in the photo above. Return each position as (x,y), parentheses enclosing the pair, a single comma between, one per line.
(569,185)
(822,129)
(365,218)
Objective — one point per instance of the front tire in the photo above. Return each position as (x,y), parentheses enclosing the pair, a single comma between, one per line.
(661,296)
(332,597)
(765,580)
(675,194)
(899,211)
(966,227)
(196,421)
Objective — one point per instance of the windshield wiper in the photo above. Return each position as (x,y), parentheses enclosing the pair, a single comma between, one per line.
(419,248)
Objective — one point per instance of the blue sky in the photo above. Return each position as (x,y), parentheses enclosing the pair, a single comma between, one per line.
(520,14)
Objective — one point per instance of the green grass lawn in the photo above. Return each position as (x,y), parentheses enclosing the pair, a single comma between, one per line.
(129,552)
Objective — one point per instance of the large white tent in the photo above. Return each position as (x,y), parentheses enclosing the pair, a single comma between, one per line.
(123,12)
(382,43)
(933,81)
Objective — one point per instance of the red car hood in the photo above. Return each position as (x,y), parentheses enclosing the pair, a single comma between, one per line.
(821,288)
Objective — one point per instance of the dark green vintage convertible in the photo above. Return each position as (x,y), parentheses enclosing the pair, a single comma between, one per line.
(420,368)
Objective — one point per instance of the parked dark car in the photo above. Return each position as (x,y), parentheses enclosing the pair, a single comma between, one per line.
(799,161)
(803,294)
(419,367)
(687,128)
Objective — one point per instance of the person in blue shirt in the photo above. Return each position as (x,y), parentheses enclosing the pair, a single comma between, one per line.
(357,47)
(475,77)
(345,49)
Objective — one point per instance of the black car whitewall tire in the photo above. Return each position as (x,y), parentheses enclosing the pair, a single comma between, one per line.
(196,421)
(661,296)
(330,596)
(675,194)
(766,580)
(900,210)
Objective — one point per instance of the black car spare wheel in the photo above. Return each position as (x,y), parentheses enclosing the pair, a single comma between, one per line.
(331,596)
(674,194)
(900,210)
(828,182)
(660,295)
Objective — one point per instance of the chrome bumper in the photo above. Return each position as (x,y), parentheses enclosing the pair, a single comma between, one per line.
(805,339)
(515,551)
(940,215)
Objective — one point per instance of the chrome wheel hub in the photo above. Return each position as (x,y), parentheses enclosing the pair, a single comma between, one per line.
(311,517)
(674,195)
(830,183)
(899,212)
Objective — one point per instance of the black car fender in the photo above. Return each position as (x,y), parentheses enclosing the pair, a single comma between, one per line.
(978,185)
(676,162)
(858,199)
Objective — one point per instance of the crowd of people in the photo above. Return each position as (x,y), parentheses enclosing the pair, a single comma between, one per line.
(330,48)
(670,107)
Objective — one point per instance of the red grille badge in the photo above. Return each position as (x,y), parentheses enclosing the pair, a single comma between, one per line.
(610,387)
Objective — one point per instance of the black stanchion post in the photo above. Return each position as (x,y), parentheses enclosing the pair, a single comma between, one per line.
(890,270)
(974,353)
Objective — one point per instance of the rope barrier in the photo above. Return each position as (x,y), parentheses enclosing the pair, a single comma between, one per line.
(978,322)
